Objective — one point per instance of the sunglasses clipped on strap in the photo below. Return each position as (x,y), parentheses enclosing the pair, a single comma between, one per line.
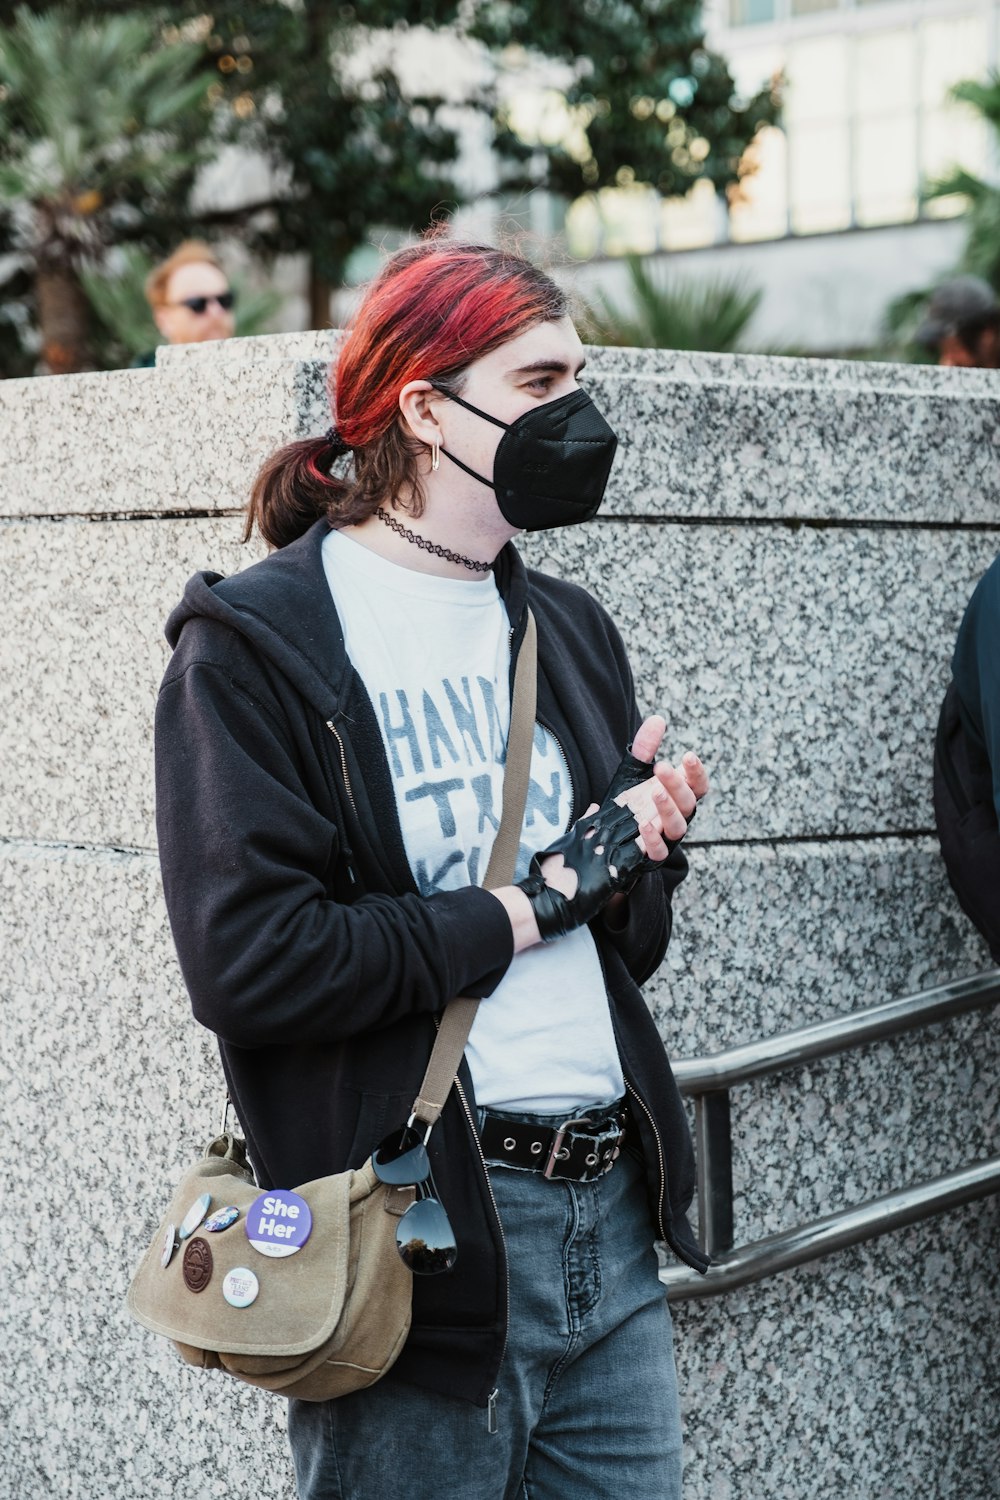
(424,1236)
(199,305)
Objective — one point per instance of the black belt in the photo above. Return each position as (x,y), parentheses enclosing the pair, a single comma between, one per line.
(580,1149)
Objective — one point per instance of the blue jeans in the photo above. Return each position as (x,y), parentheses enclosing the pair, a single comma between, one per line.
(587,1406)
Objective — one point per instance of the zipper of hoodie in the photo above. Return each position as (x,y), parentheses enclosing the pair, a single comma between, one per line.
(348,853)
(634,1092)
(659,1153)
(569,769)
(491,1410)
(678,1250)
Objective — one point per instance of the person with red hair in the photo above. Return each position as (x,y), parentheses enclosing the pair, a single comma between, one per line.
(331,737)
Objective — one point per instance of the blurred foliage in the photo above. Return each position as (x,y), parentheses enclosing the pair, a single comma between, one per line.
(315,88)
(89,141)
(666,312)
(125,327)
(981,254)
(902,318)
(648,101)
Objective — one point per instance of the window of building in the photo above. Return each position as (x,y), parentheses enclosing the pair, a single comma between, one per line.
(758,208)
(867,117)
(885,174)
(867,123)
(809,7)
(750,12)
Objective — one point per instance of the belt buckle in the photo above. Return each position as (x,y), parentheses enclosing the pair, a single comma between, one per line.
(558,1152)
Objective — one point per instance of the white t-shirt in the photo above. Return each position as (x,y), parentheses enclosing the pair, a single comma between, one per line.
(434,655)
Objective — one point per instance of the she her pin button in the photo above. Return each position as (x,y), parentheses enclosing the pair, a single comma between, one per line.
(278,1223)
(240,1287)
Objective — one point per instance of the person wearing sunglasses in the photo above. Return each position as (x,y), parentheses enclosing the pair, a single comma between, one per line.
(330,744)
(190,296)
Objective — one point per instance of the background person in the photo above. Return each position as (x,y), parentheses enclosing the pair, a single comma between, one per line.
(962,324)
(331,735)
(967,763)
(190,296)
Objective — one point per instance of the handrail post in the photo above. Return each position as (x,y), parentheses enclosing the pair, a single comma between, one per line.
(715,1171)
(708,1081)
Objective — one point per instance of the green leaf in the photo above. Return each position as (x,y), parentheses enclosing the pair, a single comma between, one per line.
(671,313)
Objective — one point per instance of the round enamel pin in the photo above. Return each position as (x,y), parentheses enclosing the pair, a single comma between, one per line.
(194,1216)
(221,1219)
(240,1287)
(278,1223)
(170,1243)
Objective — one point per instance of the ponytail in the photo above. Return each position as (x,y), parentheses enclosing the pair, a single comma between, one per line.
(295,487)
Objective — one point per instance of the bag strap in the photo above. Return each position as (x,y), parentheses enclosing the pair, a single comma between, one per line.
(456,1022)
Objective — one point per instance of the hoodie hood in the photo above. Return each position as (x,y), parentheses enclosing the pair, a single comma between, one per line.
(284,607)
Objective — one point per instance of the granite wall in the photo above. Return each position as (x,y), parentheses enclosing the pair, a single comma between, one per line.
(788,547)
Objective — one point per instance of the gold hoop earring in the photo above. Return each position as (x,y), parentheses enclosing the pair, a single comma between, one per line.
(435,457)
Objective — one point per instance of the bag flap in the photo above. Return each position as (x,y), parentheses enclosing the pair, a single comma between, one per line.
(300,1297)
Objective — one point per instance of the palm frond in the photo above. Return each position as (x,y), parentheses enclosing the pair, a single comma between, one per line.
(672,313)
(102,93)
(983,96)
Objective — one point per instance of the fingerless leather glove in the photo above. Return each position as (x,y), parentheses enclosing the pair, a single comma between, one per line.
(632,772)
(602,851)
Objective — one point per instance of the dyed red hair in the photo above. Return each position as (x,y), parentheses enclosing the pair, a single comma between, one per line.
(434,309)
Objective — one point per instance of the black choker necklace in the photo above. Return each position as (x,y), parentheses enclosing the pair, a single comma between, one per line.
(426,546)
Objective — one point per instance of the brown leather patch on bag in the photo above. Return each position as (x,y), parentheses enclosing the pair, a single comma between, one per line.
(197,1266)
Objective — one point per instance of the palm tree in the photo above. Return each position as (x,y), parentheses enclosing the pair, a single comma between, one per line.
(709,315)
(90,123)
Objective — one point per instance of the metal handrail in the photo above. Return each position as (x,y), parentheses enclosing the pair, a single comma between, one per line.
(794,1247)
(789,1049)
(709,1079)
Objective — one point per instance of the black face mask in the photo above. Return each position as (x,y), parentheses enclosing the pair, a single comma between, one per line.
(552,465)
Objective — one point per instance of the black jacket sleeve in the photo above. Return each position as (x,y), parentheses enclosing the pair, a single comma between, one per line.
(642,940)
(246,857)
(976,668)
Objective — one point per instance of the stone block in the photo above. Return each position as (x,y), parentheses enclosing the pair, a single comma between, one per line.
(873,1373)
(849,1376)
(108,1090)
(758,437)
(768,937)
(86,651)
(148,441)
(728,448)
(806,666)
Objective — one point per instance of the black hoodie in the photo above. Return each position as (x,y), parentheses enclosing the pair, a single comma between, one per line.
(306,947)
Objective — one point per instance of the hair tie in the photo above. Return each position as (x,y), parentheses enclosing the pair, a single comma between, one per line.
(333,439)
